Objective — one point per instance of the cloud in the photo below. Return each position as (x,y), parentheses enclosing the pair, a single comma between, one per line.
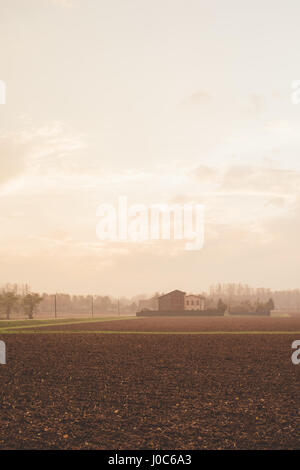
(206,173)
(12,161)
(260,179)
(200,98)
(249,179)
(255,105)
(277,201)
(41,149)
(63,3)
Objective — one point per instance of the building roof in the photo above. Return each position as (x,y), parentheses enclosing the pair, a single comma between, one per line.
(195,295)
(172,292)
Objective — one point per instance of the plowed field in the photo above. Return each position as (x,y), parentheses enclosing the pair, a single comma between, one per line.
(128,391)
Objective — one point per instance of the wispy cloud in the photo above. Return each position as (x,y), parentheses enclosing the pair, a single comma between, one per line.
(63,3)
(43,149)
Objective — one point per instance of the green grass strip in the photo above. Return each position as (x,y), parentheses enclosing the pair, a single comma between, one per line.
(63,323)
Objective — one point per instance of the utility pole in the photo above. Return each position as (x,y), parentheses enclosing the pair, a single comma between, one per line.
(118,307)
(55,306)
(92,306)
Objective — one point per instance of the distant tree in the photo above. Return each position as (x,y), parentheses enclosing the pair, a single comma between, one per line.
(106,304)
(260,307)
(270,305)
(30,303)
(8,300)
(221,306)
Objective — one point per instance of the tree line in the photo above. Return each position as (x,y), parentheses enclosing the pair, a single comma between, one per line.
(27,304)
(236,294)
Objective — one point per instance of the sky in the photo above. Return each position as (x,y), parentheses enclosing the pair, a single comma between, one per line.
(162,101)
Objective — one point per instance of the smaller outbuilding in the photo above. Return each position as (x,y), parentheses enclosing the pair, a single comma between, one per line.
(194,302)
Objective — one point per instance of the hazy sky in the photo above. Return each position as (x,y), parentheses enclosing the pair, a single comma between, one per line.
(162,101)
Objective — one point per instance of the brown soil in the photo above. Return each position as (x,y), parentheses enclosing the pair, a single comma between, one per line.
(149,392)
(187,324)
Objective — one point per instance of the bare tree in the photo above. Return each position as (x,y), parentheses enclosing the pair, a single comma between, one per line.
(7,302)
(30,303)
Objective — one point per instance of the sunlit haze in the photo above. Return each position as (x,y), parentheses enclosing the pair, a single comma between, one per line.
(163,101)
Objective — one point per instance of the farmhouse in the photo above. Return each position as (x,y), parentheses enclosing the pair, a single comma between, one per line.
(173,301)
(177,303)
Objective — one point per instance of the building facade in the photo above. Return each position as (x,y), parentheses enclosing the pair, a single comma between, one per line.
(173,301)
(194,302)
